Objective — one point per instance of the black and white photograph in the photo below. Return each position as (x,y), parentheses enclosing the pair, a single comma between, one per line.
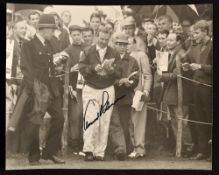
(117,87)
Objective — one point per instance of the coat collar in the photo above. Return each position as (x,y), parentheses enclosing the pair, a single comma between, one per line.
(94,50)
(39,43)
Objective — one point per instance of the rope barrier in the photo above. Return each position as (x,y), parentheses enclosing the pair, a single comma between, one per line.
(194,81)
(192,121)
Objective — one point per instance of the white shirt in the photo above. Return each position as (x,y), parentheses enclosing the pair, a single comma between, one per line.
(70,39)
(101,51)
(42,40)
(57,33)
(122,56)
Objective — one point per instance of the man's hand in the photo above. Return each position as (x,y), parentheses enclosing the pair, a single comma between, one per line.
(98,68)
(186,66)
(126,82)
(59,57)
(195,66)
(146,93)
(74,68)
(72,92)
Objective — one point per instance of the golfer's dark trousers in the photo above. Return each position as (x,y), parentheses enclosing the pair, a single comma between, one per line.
(53,140)
(203,108)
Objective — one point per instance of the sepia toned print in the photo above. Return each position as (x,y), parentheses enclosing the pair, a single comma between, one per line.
(109,87)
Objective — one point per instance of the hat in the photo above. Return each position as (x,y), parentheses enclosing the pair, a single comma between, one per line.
(146,19)
(74,27)
(47,21)
(121,38)
(128,21)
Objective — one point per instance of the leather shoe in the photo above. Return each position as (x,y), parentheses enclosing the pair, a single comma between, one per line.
(199,156)
(34,163)
(89,156)
(120,156)
(99,158)
(55,159)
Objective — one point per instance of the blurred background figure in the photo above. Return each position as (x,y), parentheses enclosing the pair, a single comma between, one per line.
(33,19)
(66,19)
(165,23)
(88,36)
(128,27)
(16,141)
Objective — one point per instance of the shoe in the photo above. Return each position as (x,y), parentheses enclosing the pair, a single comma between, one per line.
(199,156)
(99,158)
(75,153)
(55,159)
(132,154)
(81,154)
(121,156)
(89,156)
(34,163)
(136,155)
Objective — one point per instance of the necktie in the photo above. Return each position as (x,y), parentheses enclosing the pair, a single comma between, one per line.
(20,44)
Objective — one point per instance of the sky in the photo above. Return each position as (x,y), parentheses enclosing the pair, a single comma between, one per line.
(80,13)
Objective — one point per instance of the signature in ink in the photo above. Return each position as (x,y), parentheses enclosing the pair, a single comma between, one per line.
(103,108)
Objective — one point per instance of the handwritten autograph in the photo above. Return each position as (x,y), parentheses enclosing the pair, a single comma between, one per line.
(103,108)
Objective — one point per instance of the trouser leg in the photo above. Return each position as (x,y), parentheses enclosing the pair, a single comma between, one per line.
(74,128)
(33,141)
(104,121)
(116,134)
(53,141)
(90,109)
(125,119)
(203,108)
(138,127)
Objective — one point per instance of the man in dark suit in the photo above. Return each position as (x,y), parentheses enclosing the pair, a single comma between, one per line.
(99,65)
(75,98)
(170,91)
(121,117)
(201,66)
(38,69)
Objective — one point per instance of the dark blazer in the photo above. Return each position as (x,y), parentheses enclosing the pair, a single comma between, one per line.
(90,58)
(202,54)
(74,51)
(169,94)
(36,63)
(128,65)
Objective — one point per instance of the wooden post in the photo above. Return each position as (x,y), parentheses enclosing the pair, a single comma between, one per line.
(180,108)
(65,108)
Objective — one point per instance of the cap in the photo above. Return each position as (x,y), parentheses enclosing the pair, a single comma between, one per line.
(74,27)
(148,19)
(47,21)
(121,38)
(128,21)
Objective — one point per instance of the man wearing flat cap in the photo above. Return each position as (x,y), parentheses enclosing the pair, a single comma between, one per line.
(75,103)
(38,69)
(128,27)
(121,116)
